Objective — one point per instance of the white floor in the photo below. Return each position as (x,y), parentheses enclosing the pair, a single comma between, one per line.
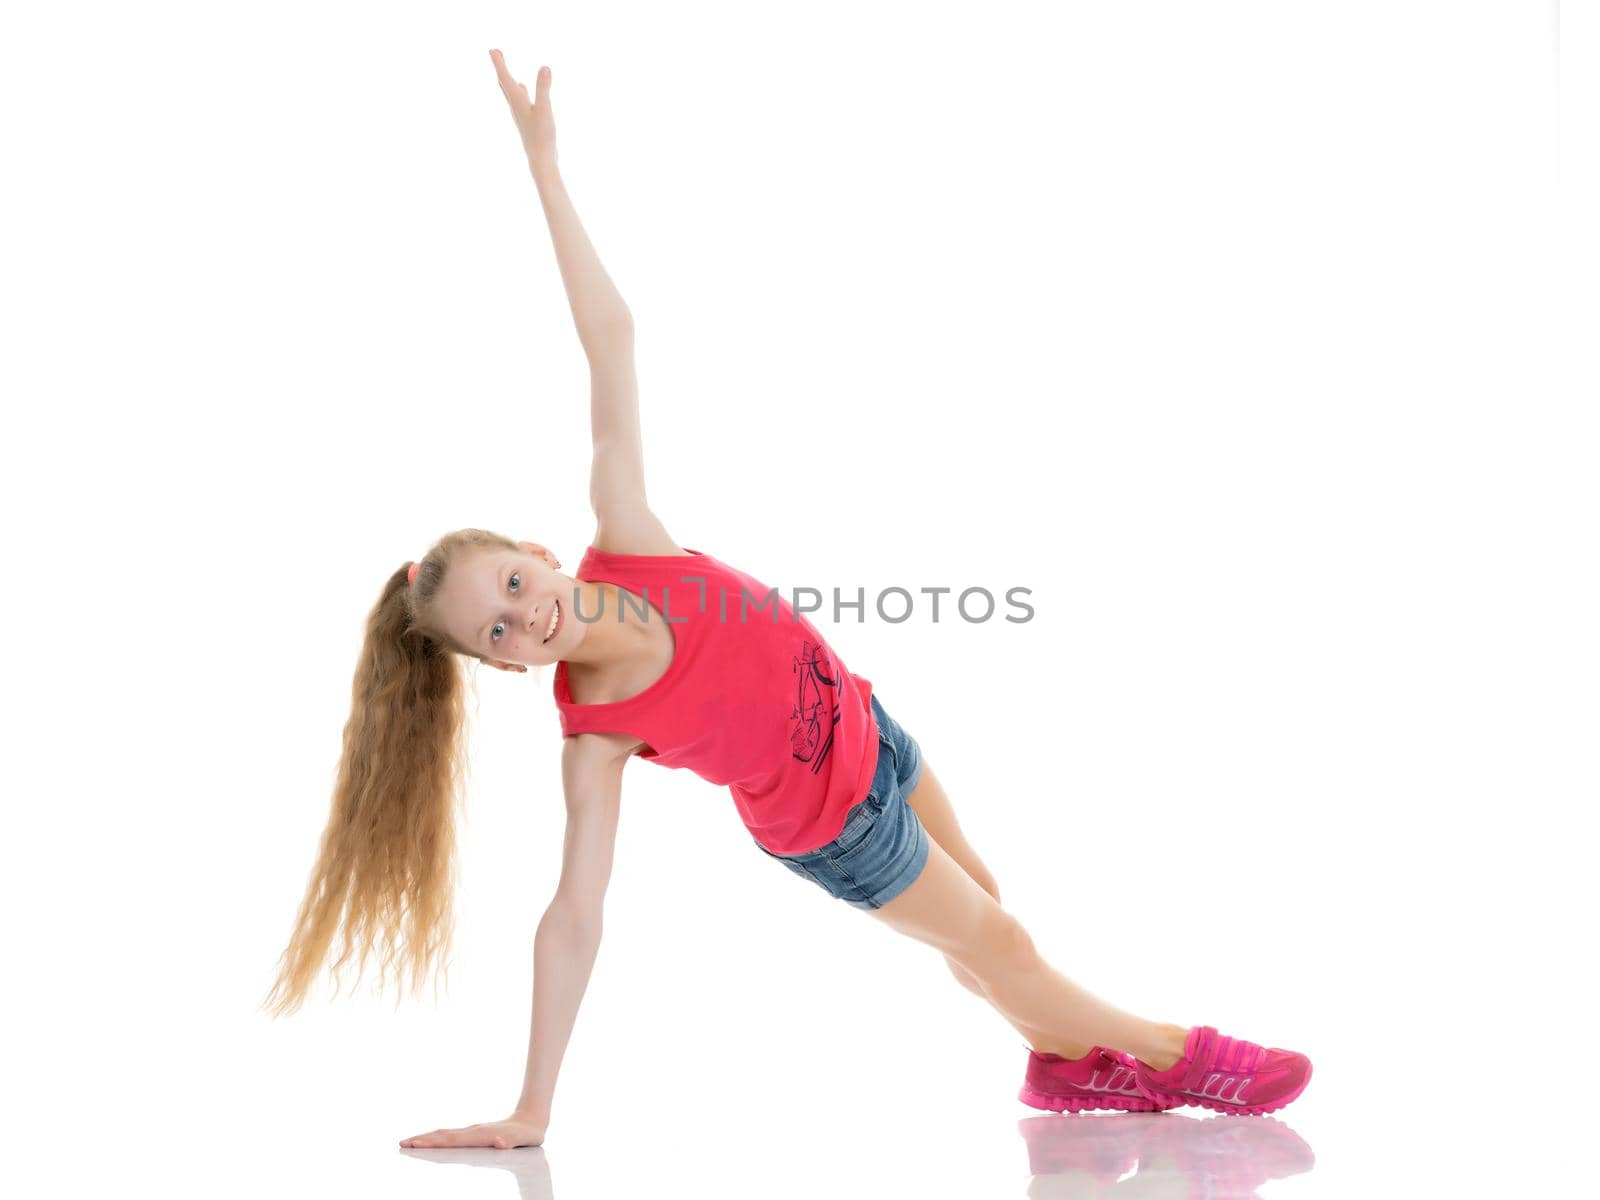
(706,1133)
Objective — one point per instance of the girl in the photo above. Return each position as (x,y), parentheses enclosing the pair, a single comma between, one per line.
(650,662)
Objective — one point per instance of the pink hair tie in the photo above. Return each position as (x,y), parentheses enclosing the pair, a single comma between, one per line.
(411,575)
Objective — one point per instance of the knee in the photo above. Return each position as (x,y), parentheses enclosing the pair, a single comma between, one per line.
(1014,941)
(1004,944)
(963,976)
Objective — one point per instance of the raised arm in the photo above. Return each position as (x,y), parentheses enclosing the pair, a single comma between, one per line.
(605,325)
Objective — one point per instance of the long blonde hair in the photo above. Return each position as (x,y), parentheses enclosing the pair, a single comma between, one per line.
(387,860)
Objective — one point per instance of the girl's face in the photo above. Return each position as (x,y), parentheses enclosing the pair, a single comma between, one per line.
(500,604)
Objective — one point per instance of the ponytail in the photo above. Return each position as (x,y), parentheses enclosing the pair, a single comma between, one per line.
(386,868)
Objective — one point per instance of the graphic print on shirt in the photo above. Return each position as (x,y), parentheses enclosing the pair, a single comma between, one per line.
(816,706)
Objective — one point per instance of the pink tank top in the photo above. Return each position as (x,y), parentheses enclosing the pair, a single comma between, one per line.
(761,706)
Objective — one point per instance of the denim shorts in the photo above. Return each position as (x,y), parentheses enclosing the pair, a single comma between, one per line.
(882,848)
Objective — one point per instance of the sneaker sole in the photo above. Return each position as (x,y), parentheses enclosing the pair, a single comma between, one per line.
(1240,1110)
(1086,1103)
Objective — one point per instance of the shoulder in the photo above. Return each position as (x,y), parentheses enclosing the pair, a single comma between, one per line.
(636,533)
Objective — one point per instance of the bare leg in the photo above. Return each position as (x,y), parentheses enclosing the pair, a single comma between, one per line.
(949,909)
(1038,1039)
(934,810)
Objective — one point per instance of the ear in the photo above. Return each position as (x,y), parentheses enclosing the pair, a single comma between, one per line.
(539,551)
(504,666)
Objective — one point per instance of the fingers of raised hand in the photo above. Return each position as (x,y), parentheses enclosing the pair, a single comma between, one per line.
(514,89)
(508,85)
(500,71)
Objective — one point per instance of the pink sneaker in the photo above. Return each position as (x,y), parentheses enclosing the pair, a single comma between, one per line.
(1100,1079)
(1229,1075)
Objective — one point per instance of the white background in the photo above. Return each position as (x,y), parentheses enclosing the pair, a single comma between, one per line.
(1251,337)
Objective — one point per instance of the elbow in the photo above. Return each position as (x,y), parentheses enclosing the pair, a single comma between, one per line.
(574,919)
(620,322)
(604,333)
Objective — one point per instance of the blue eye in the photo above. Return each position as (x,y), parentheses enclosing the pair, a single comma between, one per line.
(514,582)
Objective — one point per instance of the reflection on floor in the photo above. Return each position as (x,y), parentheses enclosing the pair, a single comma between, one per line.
(1158,1156)
(529,1165)
(1071,1156)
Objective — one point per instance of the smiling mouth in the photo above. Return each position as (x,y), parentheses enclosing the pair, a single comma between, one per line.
(555,620)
